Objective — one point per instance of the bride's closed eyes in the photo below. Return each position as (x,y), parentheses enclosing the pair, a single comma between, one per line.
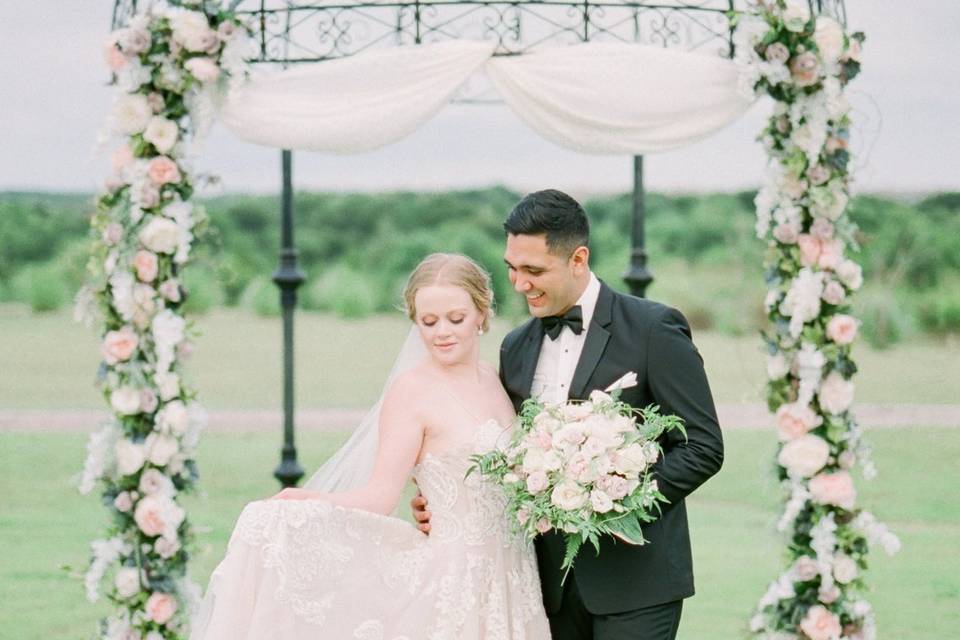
(432,320)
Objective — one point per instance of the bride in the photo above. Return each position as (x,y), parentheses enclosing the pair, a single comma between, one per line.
(328,561)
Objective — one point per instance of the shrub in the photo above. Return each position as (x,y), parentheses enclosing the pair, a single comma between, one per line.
(884,322)
(203,289)
(262,297)
(42,287)
(343,291)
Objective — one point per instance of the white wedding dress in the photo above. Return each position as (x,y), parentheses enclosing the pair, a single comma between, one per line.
(306,569)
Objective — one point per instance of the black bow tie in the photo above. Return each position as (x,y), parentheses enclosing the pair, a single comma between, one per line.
(573,318)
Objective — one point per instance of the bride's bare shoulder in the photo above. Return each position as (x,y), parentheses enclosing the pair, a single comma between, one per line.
(412,384)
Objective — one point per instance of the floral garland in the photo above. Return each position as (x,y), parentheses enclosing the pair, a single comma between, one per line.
(803,62)
(165,64)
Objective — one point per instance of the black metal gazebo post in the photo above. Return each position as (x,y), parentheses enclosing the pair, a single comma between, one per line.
(637,276)
(288,277)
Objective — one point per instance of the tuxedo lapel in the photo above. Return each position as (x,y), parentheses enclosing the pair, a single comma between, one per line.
(595,343)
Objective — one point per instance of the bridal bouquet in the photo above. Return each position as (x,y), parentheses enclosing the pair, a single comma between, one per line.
(581,468)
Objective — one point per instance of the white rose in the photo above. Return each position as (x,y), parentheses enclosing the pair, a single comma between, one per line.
(166,547)
(130,457)
(154,482)
(123,503)
(168,385)
(844,569)
(536,482)
(192,30)
(577,410)
(804,456)
(127,582)
(836,394)
(161,133)
(829,38)
(173,418)
(131,113)
(160,235)
(121,286)
(777,366)
(125,400)
(569,496)
(600,501)
(630,460)
(850,274)
(796,15)
(160,448)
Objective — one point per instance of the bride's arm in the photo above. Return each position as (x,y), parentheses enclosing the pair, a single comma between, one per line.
(401,435)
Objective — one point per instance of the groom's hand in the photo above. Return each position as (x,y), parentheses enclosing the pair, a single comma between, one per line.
(420,513)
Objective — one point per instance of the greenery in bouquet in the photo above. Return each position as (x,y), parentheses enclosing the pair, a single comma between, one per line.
(582,468)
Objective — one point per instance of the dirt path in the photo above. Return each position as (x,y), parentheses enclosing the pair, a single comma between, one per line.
(732,416)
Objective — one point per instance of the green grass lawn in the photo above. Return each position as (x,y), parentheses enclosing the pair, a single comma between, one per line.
(48,361)
(45,526)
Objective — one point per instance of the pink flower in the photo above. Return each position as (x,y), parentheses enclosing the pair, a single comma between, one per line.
(777,52)
(523,515)
(162,170)
(119,345)
(820,624)
(543,525)
(786,233)
(122,502)
(809,249)
(225,30)
(148,401)
(121,157)
(834,144)
(146,264)
(836,394)
(536,482)
(833,489)
(828,596)
(822,229)
(170,289)
(114,57)
(112,234)
(149,516)
(805,69)
(842,329)
(805,568)
(166,547)
(831,254)
(833,292)
(818,174)
(203,69)
(160,607)
(155,100)
(795,420)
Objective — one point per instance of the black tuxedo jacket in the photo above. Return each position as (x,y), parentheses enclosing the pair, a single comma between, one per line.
(653,340)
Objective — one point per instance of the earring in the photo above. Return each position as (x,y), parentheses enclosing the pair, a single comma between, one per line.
(479,331)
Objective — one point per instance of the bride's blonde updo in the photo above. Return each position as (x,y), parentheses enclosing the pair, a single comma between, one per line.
(452,269)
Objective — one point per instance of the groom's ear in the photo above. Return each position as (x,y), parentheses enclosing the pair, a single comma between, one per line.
(580,260)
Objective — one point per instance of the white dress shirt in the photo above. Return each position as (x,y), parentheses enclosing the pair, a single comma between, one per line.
(558,358)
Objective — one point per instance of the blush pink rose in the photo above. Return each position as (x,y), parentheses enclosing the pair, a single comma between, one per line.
(112,234)
(786,233)
(543,525)
(805,568)
(818,174)
(119,345)
(121,157)
(203,69)
(162,170)
(833,489)
(805,69)
(833,293)
(842,329)
(114,57)
(536,482)
(820,624)
(828,596)
(822,229)
(831,254)
(794,420)
(170,289)
(160,607)
(149,516)
(146,264)
(148,401)
(809,249)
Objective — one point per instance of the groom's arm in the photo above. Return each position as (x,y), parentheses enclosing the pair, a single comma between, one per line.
(679,385)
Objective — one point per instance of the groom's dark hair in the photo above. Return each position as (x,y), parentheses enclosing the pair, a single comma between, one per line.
(553,213)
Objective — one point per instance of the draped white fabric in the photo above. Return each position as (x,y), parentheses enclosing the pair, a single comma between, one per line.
(604,98)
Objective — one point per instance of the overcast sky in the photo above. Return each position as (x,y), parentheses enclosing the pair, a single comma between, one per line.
(53,101)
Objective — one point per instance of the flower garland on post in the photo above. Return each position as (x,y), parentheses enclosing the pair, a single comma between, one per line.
(803,62)
(165,63)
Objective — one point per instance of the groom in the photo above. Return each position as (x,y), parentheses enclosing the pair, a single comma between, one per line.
(583,336)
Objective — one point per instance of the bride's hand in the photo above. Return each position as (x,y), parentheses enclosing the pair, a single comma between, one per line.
(294,493)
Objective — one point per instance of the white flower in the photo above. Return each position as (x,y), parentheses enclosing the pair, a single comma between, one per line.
(168,383)
(161,133)
(577,410)
(802,302)
(126,400)
(630,460)
(121,286)
(568,495)
(598,397)
(160,235)
(160,448)
(155,482)
(537,482)
(105,553)
(600,501)
(804,456)
(836,394)
(130,456)
(850,274)
(777,366)
(123,502)
(829,38)
(173,418)
(127,582)
(167,329)
(192,30)
(99,449)
(796,15)
(166,547)
(133,75)
(844,569)
(808,364)
(131,113)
